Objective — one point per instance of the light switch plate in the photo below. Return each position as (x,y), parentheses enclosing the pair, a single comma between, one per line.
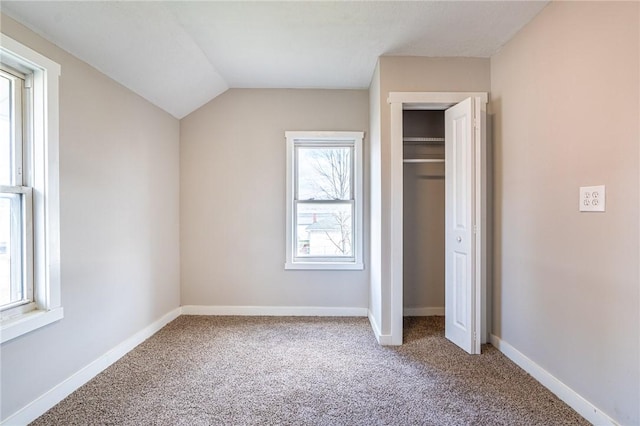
(592,198)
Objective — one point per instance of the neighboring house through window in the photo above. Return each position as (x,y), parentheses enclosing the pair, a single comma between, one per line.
(29,201)
(324,200)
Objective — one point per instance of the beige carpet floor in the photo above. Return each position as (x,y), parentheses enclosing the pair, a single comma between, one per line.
(307,371)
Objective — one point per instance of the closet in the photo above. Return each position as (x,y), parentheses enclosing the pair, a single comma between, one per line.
(437,254)
(423,212)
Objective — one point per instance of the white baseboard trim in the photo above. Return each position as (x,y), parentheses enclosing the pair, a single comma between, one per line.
(279,311)
(574,400)
(383,339)
(423,312)
(43,403)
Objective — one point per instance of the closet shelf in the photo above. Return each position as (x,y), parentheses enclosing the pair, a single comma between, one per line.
(423,160)
(411,139)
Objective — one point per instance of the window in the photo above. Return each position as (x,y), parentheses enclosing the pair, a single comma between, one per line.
(29,212)
(324,200)
(16,197)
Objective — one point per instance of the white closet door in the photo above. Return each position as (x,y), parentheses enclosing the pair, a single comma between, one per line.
(461,316)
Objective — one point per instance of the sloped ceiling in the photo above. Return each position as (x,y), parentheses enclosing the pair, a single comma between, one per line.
(179,55)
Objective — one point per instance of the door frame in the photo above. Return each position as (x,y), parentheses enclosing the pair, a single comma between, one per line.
(399,101)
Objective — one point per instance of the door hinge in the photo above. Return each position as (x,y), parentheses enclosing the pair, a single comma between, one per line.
(475,123)
(475,229)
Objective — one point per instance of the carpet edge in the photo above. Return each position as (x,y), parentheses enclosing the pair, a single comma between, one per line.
(53,396)
(573,399)
(309,311)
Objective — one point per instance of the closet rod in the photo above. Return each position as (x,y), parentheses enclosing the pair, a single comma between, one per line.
(422,160)
(421,140)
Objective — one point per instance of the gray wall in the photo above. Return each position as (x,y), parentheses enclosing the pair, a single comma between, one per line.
(378,251)
(232,181)
(118,227)
(565,95)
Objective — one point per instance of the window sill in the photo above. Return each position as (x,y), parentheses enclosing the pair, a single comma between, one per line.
(25,323)
(321,266)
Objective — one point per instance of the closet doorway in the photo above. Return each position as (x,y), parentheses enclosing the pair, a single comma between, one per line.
(450,166)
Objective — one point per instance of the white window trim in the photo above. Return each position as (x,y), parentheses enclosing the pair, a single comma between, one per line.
(45,184)
(355,263)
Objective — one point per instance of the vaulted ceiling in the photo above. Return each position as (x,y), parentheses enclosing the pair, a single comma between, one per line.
(181,54)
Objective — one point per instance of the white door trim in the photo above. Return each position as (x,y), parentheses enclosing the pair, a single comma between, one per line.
(435,101)
(396,244)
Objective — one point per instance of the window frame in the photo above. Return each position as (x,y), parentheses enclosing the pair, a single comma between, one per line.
(324,139)
(39,186)
(21,248)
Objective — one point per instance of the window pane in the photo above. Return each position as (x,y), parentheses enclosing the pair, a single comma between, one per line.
(324,173)
(11,289)
(324,229)
(6,168)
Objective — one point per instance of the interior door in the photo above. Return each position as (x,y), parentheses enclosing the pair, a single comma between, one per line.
(461,308)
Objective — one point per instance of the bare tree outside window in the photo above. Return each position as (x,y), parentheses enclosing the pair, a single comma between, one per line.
(325,174)
(334,167)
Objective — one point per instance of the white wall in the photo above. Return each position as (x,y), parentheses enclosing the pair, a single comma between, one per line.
(565,95)
(232,180)
(119,227)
